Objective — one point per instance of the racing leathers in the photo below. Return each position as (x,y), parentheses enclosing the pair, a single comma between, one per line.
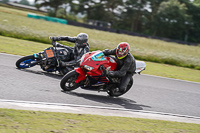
(125,68)
(78,50)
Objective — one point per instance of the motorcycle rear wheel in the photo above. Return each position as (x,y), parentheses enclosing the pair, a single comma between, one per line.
(116,93)
(25,62)
(68,81)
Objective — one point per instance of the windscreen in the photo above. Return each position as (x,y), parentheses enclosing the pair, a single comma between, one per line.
(98,57)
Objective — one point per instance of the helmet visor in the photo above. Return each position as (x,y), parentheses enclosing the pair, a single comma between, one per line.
(81,41)
(121,53)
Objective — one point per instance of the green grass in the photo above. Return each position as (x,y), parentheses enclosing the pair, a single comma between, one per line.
(23,47)
(20,121)
(22,27)
(170,71)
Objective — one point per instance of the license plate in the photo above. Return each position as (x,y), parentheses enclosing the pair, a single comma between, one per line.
(49,53)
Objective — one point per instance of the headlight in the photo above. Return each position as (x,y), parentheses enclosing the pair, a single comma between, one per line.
(88,67)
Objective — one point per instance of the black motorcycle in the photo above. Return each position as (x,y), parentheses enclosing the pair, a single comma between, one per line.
(49,59)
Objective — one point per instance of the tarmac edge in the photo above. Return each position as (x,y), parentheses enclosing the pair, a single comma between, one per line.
(95,110)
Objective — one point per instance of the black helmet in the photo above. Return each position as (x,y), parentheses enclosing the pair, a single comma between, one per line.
(81,39)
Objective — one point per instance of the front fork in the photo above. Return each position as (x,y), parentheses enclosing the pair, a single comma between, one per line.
(38,57)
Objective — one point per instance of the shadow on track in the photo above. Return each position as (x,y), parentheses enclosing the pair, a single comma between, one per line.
(50,74)
(123,102)
(118,102)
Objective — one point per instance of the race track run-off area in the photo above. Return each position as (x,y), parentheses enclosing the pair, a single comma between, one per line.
(149,94)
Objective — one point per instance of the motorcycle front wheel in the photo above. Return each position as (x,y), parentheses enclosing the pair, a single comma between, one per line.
(115,92)
(26,62)
(67,83)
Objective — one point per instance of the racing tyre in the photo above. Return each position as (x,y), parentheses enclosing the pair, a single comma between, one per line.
(26,62)
(116,92)
(68,81)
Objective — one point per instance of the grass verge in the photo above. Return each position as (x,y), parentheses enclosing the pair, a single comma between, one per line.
(44,122)
(23,47)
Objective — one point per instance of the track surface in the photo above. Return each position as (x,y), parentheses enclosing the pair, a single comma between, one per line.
(149,93)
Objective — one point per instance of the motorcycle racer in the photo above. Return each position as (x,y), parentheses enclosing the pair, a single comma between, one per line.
(80,48)
(126,64)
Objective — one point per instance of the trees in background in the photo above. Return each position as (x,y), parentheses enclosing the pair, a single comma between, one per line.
(175,19)
(4,1)
(54,4)
(172,15)
(194,26)
(24,2)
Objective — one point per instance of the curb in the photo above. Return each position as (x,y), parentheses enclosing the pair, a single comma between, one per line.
(95,110)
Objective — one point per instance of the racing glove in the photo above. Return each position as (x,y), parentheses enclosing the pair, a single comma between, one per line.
(56,38)
(110,73)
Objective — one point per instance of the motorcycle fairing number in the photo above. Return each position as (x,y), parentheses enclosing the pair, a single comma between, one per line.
(49,53)
(99,57)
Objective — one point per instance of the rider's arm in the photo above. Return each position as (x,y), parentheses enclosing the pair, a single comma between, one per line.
(67,38)
(126,66)
(62,46)
(64,38)
(109,52)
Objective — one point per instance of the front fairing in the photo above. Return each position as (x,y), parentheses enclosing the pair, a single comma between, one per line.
(90,64)
(82,74)
(93,60)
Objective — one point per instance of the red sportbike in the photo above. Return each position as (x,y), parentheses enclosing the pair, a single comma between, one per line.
(90,74)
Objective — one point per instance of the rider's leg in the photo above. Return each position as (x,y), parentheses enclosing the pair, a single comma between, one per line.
(124,82)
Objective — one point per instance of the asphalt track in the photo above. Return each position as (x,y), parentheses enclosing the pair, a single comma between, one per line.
(149,94)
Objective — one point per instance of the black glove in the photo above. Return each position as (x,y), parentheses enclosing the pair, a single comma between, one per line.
(105,51)
(56,38)
(109,73)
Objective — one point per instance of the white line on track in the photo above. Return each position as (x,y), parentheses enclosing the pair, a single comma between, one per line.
(96,110)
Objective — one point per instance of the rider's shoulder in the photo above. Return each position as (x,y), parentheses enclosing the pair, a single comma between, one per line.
(129,57)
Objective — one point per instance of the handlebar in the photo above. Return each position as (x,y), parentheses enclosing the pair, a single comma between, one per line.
(104,73)
(53,42)
(54,45)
